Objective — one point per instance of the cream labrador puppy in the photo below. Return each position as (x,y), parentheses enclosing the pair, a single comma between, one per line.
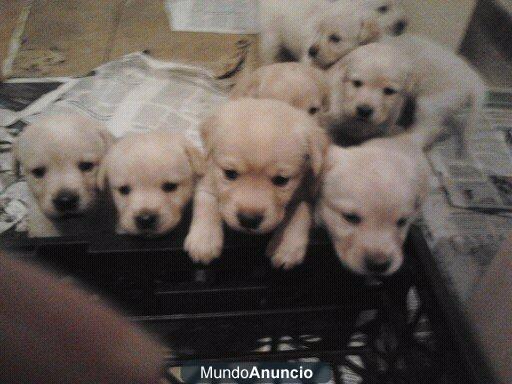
(297,84)
(260,156)
(151,177)
(389,14)
(370,86)
(369,196)
(317,32)
(60,156)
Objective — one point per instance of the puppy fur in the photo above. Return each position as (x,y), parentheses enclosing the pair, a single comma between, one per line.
(60,156)
(56,333)
(301,86)
(369,196)
(316,32)
(379,77)
(389,15)
(151,177)
(259,154)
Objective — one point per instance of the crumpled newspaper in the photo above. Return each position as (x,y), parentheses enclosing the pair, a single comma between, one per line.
(134,93)
(13,207)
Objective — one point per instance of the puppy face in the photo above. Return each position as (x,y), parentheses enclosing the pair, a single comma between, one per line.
(388,14)
(369,198)
(298,85)
(151,177)
(371,85)
(336,32)
(60,156)
(259,152)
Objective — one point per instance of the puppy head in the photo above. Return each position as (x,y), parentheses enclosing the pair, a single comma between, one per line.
(296,84)
(259,152)
(336,32)
(389,15)
(374,81)
(60,156)
(369,198)
(151,177)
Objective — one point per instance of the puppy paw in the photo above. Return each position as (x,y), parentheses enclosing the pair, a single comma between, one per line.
(289,254)
(204,243)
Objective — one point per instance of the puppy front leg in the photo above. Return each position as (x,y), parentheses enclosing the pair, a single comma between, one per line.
(205,238)
(291,248)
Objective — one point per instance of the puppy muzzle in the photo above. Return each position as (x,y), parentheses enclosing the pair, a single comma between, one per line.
(399,27)
(377,264)
(66,202)
(147,222)
(250,222)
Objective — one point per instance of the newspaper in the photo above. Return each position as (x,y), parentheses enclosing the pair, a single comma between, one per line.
(483,178)
(468,215)
(132,94)
(219,16)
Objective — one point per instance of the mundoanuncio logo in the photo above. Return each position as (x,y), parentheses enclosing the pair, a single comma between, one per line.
(197,372)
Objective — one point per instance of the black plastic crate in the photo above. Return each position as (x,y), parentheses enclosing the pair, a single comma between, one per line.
(239,308)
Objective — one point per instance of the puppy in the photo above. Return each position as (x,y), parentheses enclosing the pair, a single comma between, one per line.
(54,332)
(151,178)
(369,88)
(299,85)
(260,154)
(369,196)
(316,32)
(371,85)
(389,15)
(60,156)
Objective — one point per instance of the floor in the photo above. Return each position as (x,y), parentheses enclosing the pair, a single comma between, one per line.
(70,38)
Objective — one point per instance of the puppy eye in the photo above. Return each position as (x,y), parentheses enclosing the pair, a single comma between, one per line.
(38,172)
(280,181)
(169,187)
(85,166)
(334,38)
(400,223)
(357,83)
(389,91)
(124,190)
(383,9)
(352,218)
(313,110)
(231,174)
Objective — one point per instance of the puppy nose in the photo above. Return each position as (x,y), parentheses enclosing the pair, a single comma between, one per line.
(251,221)
(377,263)
(66,201)
(146,221)
(364,111)
(399,27)
(313,51)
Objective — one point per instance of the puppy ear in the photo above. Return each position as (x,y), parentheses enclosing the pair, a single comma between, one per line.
(411,83)
(337,75)
(335,154)
(107,138)
(102,176)
(247,86)
(318,143)
(195,157)
(323,85)
(206,129)
(16,161)
(369,32)
(423,178)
